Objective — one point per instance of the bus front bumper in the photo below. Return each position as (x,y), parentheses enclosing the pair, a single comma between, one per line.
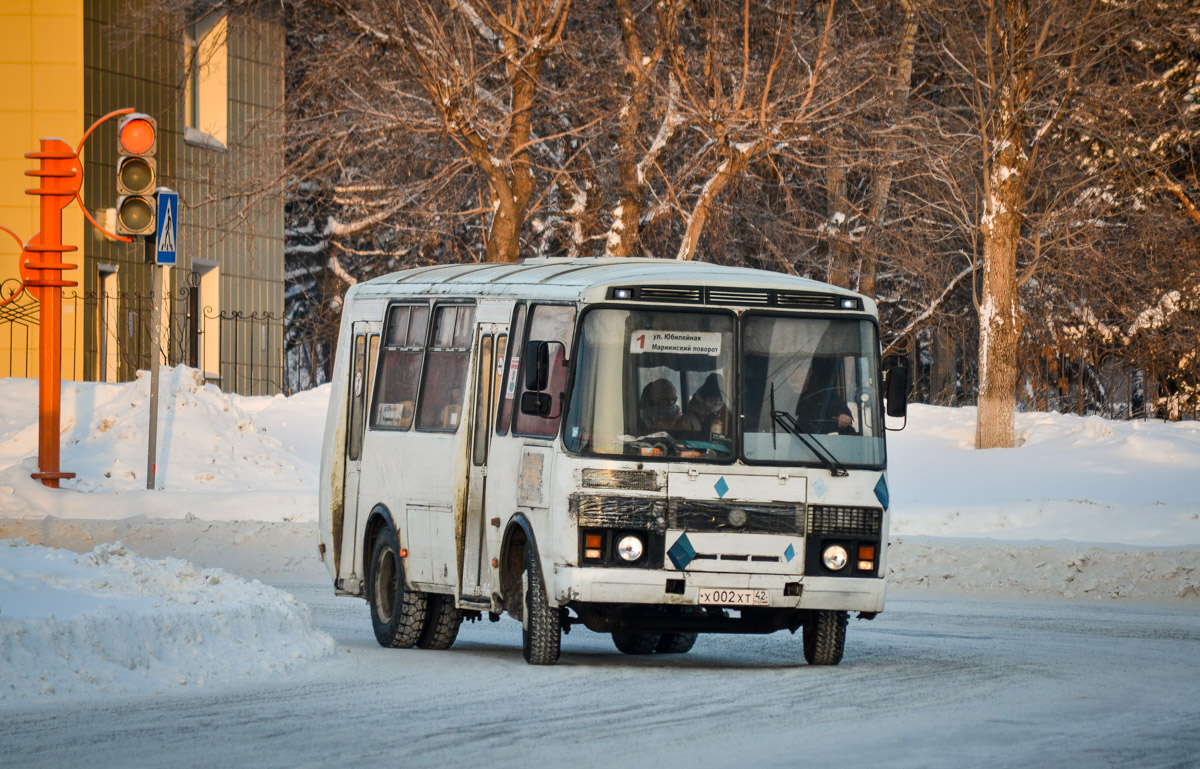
(574,584)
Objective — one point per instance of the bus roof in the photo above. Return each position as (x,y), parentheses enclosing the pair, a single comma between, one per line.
(590,279)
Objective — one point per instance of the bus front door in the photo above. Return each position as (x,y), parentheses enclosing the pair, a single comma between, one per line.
(362,367)
(492,342)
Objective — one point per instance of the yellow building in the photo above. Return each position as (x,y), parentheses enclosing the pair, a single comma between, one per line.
(41,95)
(215,88)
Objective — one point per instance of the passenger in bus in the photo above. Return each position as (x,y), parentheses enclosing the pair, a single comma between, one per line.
(658,408)
(705,414)
(819,406)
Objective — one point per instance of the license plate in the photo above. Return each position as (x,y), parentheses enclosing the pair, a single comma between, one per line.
(734,597)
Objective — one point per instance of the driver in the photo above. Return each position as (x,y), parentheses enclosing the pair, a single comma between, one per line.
(659,407)
(819,409)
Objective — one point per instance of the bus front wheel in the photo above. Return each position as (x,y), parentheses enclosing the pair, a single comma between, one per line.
(397,613)
(825,637)
(541,624)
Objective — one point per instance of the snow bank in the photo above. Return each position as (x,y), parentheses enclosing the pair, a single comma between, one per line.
(1083,479)
(110,621)
(212,449)
(1067,570)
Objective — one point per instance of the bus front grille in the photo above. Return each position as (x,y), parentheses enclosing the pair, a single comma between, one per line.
(838,521)
(614,512)
(699,515)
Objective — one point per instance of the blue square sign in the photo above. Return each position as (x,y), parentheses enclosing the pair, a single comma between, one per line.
(167,227)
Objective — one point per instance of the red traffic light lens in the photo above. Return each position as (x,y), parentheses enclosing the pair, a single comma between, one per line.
(137,136)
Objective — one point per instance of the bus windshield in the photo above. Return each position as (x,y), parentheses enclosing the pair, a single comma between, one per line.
(810,391)
(664,384)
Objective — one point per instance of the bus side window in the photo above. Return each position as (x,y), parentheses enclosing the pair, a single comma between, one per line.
(508,393)
(357,398)
(550,323)
(400,367)
(446,365)
(483,399)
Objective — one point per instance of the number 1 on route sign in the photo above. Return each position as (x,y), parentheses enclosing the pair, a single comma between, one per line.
(168,226)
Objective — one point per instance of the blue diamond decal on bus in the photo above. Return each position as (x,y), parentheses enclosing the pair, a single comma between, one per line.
(722,487)
(682,553)
(881,492)
(790,553)
(819,488)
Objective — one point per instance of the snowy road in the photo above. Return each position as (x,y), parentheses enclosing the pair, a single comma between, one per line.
(932,682)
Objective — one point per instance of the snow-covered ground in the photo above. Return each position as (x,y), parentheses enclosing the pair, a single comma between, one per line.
(107,587)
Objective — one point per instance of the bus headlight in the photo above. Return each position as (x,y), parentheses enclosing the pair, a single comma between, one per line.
(630,548)
(835,558)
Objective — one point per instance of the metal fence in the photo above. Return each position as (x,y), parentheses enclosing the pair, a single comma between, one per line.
(112,339)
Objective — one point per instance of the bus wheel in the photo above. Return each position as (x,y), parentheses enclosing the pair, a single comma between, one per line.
(635,643)
(397,613)
(825,637)
(541,625)
(442,620)
(676,643)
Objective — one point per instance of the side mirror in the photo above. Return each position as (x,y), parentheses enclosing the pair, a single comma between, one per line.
(537,404)
(897,391)
(537,367)
(542,358)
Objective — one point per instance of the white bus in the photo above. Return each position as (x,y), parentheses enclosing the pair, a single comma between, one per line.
(645,447)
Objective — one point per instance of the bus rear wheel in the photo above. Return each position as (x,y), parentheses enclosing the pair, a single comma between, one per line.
(825,637)
(397,613)
(442,621)
(541,624)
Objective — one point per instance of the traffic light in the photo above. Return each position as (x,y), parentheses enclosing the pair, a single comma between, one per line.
(137,141)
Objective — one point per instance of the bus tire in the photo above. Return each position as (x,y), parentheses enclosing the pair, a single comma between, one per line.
(442,621)
(825,637)
(541,624)
(635,643)
(397,613)
(676,643)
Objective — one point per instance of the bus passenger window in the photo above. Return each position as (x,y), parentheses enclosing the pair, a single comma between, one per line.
(508,393)
(400,367)
(445,375)
(549,323)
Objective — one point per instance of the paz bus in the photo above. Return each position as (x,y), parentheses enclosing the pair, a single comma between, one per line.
(648,448)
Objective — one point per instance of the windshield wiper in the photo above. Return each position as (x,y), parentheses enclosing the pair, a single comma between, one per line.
(816,447)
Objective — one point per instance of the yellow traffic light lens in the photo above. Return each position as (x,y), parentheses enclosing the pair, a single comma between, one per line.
(137,136)
(137,176)
(135,215)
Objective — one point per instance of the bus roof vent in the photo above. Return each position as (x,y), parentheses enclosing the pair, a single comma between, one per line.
(807,299)
(741,296)
(690,294)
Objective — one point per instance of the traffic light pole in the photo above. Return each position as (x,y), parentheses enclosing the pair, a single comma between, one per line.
(155,362)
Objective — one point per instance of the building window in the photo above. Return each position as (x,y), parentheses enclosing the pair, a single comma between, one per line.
(109,322)
(206,91)
(206,320)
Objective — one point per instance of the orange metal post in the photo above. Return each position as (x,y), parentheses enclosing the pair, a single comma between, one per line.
(60,174)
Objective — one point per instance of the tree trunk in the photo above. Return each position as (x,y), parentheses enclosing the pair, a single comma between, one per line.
(881,182)
(838,216)
(1007,175)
